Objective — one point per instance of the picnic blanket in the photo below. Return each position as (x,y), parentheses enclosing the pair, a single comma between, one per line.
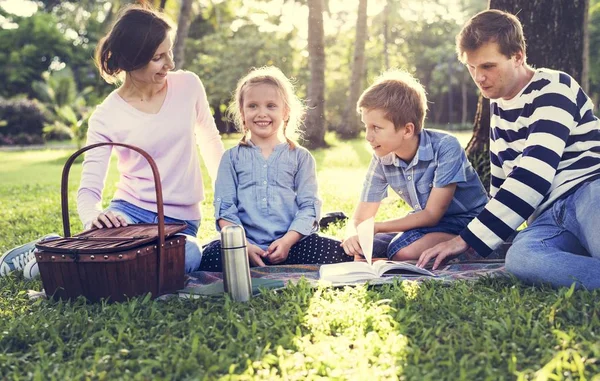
(208,283)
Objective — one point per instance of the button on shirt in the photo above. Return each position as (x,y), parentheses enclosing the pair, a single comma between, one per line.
(439,161)
(268,197)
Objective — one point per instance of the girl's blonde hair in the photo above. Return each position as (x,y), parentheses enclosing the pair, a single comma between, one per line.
(269,75)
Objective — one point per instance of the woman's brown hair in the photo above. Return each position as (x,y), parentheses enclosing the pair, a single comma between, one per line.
(131,42)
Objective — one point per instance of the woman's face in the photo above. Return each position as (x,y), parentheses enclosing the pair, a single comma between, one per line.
(155,71)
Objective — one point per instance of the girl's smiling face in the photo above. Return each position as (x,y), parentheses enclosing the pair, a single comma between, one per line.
(264,113)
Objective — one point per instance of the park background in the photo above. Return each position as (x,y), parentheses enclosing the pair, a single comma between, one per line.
(490,329)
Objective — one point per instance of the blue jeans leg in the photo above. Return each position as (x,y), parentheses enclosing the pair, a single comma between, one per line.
(136,215)
(562,246)
(193,254)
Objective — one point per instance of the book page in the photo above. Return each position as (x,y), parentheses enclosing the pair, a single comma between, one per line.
(366,231)
(383,267)
(347,272)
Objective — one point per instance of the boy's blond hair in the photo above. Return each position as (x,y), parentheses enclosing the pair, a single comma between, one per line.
(401,97)
(492,25)
(269,75)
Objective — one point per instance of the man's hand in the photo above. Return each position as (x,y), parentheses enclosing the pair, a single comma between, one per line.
(255,255)
(442,251)
(278,250)
(351,246)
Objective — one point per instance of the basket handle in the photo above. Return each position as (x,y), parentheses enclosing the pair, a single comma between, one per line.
(157,187)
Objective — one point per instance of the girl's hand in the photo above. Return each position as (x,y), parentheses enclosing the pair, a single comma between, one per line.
(109,220)
(278,251)
(255,255)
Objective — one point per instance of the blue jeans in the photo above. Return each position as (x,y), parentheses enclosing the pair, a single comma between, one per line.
(388,244)
(136,215)
(562,245)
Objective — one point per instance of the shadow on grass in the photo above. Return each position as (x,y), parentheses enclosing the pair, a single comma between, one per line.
(298,332)
(494,328)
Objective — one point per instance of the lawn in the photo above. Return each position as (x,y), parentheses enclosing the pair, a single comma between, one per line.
(491,329)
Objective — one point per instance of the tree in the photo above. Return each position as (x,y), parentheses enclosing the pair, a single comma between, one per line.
(350,127)
(29,50)
(183,27)
(594,50)
(221,52)
(555,31)
(314,129)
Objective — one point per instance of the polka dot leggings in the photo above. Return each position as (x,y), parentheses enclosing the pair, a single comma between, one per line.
(314,249)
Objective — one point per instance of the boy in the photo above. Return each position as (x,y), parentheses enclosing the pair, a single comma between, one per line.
(545,161)
(427,169)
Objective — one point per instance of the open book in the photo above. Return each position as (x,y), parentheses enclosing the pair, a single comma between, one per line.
(349,272)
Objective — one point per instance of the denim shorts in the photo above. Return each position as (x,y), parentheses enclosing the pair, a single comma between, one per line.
(135,215)
(388,244)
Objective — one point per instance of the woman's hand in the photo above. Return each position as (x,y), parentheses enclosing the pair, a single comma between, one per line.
(109,220)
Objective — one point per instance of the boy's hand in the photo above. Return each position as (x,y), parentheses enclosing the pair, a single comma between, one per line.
(442,251)
(278,251)
(351,246)
(255,255)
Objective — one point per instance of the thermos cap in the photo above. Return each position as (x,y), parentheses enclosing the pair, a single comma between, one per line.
(233,236)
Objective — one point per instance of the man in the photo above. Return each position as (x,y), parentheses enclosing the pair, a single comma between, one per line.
(545,162)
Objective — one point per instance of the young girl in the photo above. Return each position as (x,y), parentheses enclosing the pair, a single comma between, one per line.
(267,183)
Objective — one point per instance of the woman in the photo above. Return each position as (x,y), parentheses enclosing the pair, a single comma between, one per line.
(159,111)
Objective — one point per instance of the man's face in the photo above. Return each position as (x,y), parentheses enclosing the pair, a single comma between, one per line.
(496,75)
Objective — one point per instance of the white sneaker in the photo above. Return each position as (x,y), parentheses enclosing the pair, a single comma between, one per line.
(31,269)
(18,257)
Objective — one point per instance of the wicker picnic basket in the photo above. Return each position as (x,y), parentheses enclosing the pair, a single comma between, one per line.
(115,263)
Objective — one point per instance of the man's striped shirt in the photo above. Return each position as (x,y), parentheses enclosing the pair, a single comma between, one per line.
(544,142)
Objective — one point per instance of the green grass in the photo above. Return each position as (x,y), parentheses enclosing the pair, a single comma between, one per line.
(491,329)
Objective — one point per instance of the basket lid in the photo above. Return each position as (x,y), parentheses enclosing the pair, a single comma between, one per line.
(109,240)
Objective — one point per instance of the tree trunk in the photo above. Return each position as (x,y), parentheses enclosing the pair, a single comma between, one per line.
(314,129)
(221,123)
(464,96)
(386,34)
(162,5)
(554,31)
(183,27)
(478,148)
(555,34)
(350,127)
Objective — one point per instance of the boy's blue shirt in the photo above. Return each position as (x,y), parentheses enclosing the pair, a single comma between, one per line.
(439,161)
(268,197)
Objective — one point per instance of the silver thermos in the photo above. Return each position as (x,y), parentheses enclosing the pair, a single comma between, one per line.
(236,269)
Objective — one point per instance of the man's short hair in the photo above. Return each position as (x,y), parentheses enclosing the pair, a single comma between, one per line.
(492,25)
(401,97)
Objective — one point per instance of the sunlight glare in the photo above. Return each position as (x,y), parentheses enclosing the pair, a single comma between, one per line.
(23,8)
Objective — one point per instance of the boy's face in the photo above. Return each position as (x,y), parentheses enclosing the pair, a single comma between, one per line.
(496,75)
(381,134)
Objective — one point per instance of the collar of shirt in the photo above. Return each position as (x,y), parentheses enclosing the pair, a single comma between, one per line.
(278,147)
(424,153)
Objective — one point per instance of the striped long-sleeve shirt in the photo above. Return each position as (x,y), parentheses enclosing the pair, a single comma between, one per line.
(544,142)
